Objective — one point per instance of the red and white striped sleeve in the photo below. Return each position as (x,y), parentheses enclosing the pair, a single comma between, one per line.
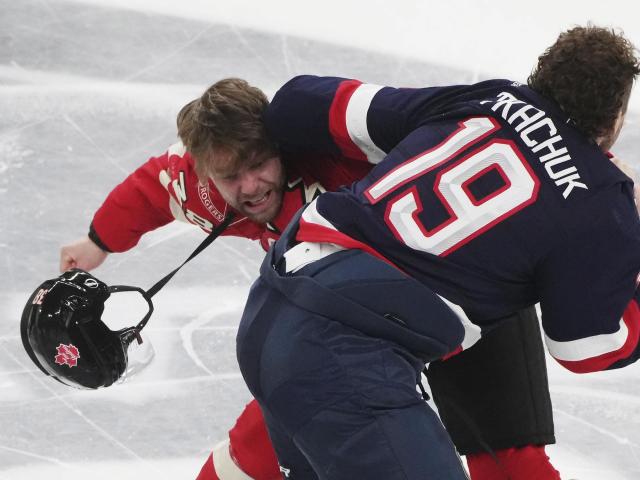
(590,298)
(346,117)
(601,351)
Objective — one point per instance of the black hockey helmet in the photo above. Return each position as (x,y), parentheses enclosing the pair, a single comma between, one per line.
(63,332)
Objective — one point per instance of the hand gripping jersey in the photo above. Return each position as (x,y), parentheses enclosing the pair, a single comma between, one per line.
(166,188)
(489,195)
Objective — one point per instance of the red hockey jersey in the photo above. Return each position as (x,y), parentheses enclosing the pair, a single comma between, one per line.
(166,188)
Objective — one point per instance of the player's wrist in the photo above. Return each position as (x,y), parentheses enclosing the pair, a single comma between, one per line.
(95,238)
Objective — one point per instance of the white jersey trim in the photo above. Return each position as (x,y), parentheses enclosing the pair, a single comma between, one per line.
(356,120)
(585,348)
(472,332)
(224,465)
(177,149)
(174,206)
(304,253)
(311,215)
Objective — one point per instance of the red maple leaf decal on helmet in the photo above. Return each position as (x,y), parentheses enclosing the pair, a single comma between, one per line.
(67,355)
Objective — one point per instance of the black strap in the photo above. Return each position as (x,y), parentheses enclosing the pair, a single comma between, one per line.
(145,319)
(215,233)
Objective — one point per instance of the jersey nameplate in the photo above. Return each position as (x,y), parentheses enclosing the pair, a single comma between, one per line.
(527,119)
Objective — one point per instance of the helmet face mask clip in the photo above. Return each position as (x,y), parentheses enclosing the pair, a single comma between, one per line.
(64,335)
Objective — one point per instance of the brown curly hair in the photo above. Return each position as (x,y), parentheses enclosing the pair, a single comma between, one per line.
(225,120)
(589,72)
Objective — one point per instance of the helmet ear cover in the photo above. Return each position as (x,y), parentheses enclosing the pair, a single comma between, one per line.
(64,335)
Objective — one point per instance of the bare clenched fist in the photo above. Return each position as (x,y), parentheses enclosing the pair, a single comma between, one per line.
(82,253)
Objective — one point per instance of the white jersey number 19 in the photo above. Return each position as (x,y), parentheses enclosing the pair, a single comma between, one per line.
(468,216)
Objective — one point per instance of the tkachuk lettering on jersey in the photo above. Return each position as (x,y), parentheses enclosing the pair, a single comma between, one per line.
(470,202)
(528,119)
(67,355)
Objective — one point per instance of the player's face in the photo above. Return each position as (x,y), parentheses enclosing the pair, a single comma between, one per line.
(254,188)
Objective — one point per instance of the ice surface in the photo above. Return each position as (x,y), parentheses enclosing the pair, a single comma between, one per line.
(88,91)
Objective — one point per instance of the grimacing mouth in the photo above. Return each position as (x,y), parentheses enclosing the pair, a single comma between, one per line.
(257,201)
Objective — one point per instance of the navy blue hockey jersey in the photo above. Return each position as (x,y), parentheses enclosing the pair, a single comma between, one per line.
(489,195)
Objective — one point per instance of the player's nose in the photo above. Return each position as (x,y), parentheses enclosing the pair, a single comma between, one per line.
(249,183)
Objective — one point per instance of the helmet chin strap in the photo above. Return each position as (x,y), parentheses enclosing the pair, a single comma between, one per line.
(128,334)
(148,294)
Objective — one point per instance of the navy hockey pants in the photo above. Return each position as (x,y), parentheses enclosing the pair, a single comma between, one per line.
(339,403)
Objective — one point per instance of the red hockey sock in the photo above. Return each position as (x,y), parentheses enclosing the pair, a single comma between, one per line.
(526,463)
(247,455)
(251,447)
(208,472)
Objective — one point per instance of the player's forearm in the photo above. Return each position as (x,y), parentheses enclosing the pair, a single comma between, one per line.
(357,120)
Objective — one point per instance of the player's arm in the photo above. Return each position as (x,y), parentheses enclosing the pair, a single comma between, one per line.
(611,344)
(134,207)
(590,298)
(137,205)
(82,253)
(348,117)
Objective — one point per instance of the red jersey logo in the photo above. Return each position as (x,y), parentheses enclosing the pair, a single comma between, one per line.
(67,355)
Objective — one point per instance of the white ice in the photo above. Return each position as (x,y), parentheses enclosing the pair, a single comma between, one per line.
(89,90)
